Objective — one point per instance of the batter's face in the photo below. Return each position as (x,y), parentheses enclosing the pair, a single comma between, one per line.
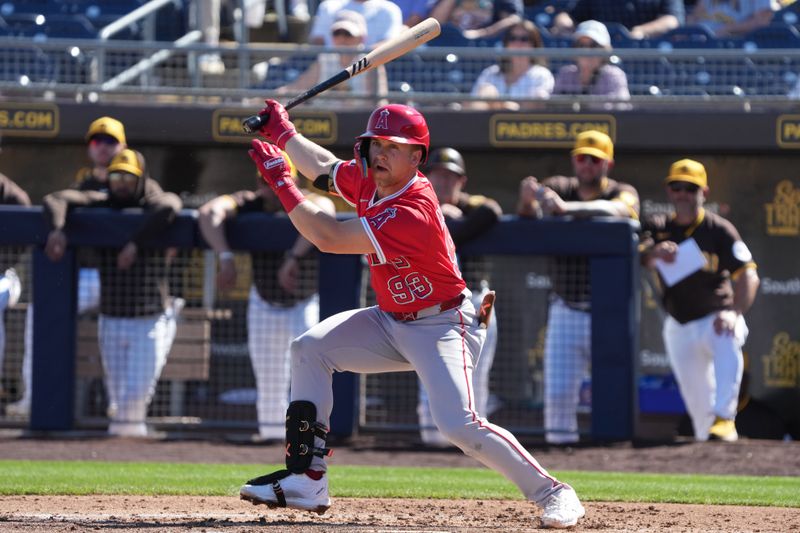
(103,148)
(589,169)
(392,164)
(447,184)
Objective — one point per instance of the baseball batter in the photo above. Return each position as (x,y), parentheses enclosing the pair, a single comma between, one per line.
(135,328)
(281,305)
(705,329)
(424,320)
(567,350)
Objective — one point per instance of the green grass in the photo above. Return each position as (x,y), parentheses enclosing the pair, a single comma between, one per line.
(95,477)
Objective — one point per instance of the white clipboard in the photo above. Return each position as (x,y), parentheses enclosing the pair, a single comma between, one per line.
(688,260)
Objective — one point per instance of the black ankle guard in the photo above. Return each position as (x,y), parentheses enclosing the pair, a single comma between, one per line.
(301,428)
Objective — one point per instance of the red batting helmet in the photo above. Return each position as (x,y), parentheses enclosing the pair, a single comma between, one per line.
(399,123)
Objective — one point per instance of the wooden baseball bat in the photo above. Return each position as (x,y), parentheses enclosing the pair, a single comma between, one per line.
(407,40)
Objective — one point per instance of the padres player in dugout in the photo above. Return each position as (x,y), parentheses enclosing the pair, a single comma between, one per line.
(568,343)
(424,320)
(705,329)
(136,327)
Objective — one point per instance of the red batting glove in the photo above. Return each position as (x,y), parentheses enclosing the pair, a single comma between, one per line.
(277,128)
(273,168)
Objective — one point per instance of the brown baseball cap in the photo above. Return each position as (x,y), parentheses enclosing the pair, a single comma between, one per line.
(448,158)
(688,170)
(596,143)
(107,126)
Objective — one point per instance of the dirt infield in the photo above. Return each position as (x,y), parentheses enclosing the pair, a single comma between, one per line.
(136,514)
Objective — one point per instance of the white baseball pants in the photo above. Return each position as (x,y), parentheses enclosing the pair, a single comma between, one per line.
(134,351)
(708,368)
(270,331)
(567,360)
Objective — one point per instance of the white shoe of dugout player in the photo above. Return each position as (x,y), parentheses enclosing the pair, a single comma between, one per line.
(127,429)
(297,491)
(562,509)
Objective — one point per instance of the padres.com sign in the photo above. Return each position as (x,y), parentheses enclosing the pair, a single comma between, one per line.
(320,127)
(28,120)
(555,131)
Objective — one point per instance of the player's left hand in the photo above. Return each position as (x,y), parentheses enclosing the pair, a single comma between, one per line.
(126,256)
(725,322)
(271,165)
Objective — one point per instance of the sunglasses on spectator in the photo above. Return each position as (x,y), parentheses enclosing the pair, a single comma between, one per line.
(342,33)
(125,177)
(586,158)
(101,138)
(518,39)
(683,187)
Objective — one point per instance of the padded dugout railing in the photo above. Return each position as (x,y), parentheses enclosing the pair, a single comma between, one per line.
(611,246)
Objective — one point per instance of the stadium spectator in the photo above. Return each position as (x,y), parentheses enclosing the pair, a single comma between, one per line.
(643,18)
(137,323)
(463,14)
(349,30)
(704,329)
(477,214)
(283,301)
(414,11)
(592,75)
(516,76)
(567,350)
(505,14)
(384,20)
(10,289)
(733,18)
(794,92)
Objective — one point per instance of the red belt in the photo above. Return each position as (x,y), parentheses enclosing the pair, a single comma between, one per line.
(452,303)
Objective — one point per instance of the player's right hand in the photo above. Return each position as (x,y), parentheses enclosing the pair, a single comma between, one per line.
(56,245)
(277,128)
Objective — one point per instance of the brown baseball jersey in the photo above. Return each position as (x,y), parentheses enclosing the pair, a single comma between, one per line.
(569,275)
(266,264)
(141,289)
(709,289)
(479,216)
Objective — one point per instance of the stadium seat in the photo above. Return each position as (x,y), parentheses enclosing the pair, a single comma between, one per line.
(697,36)
(774,36)
(26,65)
(450,37)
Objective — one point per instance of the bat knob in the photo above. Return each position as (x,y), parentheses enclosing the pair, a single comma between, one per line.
(252,124)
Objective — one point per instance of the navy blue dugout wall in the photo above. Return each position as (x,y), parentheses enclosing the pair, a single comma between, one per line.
(610,244)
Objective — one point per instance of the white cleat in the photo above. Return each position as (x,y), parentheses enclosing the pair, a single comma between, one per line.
(562,509)
(283,489)
(20,409)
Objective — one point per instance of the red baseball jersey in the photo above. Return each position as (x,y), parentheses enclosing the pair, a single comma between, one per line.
(414,266)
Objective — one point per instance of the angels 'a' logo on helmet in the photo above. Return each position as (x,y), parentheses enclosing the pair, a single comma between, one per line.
(383,120)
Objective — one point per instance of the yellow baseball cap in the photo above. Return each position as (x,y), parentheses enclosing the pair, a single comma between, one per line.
(596,143)
(688,170)
(107,126)
(128,161)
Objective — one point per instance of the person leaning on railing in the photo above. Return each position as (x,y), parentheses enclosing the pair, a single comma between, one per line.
(732,18)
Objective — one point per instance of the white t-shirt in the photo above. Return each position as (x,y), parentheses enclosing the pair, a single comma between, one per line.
(537,82)
(384,19)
